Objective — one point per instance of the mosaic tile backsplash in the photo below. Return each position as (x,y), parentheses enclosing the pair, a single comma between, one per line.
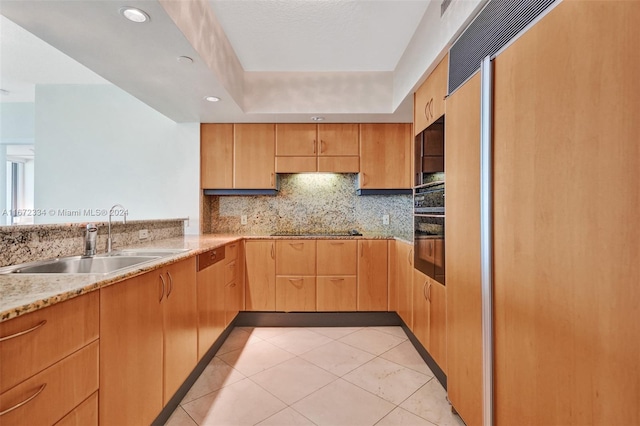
(312,203)
(26,243)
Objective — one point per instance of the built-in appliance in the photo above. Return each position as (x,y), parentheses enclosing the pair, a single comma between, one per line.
(429,202)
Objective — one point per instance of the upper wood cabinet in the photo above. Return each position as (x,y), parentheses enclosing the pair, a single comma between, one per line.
(216,156)
(237,156)
(254,156)
(429,104)
(317,148)
(385,156)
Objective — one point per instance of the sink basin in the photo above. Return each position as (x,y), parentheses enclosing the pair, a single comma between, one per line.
(79,265)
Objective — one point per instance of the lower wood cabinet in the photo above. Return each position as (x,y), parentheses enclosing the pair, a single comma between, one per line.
(234,281)
(211,298)
(148,329)
(85,414)
(372,275)
(404,282)
(260,278)
(429,316)
(296,293)
(336,293)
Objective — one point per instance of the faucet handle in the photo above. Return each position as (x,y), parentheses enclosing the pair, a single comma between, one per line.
(91,227)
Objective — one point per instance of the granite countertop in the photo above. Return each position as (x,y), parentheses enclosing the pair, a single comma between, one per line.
(21,294)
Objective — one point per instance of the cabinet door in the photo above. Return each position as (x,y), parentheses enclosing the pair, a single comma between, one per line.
(372,275)
(254,156)
(211,306)
(260,286)
(420,308)
(404,281)
(336,293)
(180,324)
(385,156)
(462,239)
(296,140)
(234,273)
(437,298)
(296,257)
(131,347)
(295,293)
(429,104)
(339,139)
(216,156)
(337,257)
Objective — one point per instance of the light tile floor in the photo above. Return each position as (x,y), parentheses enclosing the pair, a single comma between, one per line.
(316,376)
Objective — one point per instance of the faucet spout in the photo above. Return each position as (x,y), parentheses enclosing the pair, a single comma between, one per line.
(124,221)
(90,240)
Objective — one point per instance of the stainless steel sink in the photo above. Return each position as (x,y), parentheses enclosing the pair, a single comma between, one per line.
(79,265)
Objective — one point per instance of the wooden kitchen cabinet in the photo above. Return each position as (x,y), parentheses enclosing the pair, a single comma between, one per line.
(295,293)
(296,275)
(420,308)
(372,275)
(462,239)
(260,278)
(131,351)
(296,257)
(566,313)
(51,355)
(234,281)
(437,298)
(85,414)
(317,148)
(211,298)
(385,156)
(337,263)
(216,156)
(404,282)
(254,156)
(148,329)
(429,99)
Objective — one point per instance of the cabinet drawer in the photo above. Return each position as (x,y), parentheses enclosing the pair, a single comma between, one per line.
(53,392)
(337,257)
(296,164)
(230,271)
(42,338)
(85,414)
(231,251)
(339,164)
(295,294)
(336,293)
(296,257)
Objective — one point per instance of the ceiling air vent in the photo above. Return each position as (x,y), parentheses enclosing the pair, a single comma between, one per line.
(498,23)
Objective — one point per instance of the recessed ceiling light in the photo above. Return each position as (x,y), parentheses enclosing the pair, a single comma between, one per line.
(317,118)
(212,98)
(185,60)
(134,15)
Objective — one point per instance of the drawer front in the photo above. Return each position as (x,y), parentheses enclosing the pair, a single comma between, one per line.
(56,332)
(339,164)
(296,257)
(54,392)
(210,257)
(337,293)
(85,414)
(231,251)
(296,294)
(230,272)
(337,257)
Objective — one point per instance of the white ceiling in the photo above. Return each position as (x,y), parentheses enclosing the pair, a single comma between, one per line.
(269,60)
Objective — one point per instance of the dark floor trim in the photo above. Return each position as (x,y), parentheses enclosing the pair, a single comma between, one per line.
(299,319)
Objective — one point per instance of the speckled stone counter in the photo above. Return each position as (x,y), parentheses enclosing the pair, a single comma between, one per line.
(21,294)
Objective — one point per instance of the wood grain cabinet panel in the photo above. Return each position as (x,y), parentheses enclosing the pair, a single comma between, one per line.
(337,293)
(211,301)
(429,100)
(254,156)
(295,293)
(216,156)
(53,392)
(234,287)
(56,332)
(464,298)
(385,156)
(404,281)
(296,140)
(566,272)
(437,298)
(338,139)
(337,257)
(296,257)
(372,275)
(260,280)
(420,308)
(85,414)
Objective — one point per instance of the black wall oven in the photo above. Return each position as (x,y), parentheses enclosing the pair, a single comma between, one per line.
(428,201)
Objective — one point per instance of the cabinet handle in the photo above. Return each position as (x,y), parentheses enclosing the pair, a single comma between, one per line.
(232,246)
(272,253)
(170,284)
(22,333)
(232,265)
(20,404)
(212,254)
(321,146)
(293,282)
(314,146)
(363,182)
(410,257)
(429,292)
(424,289)
(336,279)
(271,181)
(233,285)
(163,285)
(334,243)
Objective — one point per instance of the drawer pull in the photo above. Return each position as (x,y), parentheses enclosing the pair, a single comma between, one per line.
(26,401)
(336,279)
(333,243)
(170,284)
(21,333)
(164,285)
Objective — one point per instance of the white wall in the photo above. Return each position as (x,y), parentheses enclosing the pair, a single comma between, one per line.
(97,146)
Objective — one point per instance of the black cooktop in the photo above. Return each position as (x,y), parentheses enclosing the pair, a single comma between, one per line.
(352,233)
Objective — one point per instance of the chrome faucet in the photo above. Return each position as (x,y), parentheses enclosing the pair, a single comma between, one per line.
(124,221)
(90,240)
